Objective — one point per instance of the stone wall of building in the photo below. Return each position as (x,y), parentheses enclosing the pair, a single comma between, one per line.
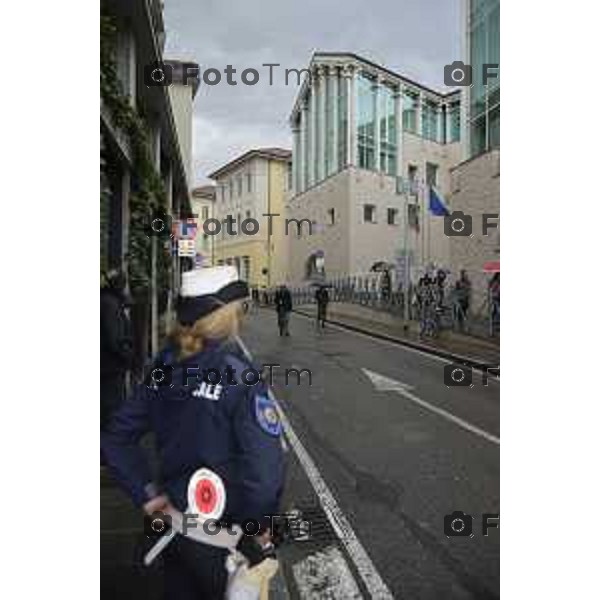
(350,244)
(475,190)
(332,239)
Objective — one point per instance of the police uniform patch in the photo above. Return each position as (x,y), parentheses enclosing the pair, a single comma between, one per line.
(266,415)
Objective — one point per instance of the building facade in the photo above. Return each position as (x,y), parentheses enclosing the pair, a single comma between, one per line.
(133,36)
(203,207)
(475,182)
(248,188)
(367,143)
(481,102)
(182,94)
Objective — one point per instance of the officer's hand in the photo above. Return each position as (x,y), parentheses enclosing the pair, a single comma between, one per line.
(160,502)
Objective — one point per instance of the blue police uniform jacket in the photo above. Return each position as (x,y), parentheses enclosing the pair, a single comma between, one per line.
(232,428)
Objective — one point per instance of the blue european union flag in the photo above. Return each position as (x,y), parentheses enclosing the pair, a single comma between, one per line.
(437,204)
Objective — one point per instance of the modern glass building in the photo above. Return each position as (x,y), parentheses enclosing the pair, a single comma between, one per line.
(483,103)
(367,144)
(351,112)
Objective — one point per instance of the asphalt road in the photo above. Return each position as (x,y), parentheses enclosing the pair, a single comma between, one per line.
(398,450)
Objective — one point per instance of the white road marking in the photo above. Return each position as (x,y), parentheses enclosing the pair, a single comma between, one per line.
(397,345)
(325,574)
(388,384)
(340,524)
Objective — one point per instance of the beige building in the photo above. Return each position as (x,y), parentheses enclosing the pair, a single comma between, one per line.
(249,188)
(367,144)
(475,187)
(203,207)
(475,192)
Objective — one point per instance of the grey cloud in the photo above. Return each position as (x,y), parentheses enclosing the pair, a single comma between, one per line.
(414,37)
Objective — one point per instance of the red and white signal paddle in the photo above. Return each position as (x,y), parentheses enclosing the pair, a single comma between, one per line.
(206,500)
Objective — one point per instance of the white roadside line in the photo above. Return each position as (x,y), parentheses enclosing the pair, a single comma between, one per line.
(394,344)
(362,562)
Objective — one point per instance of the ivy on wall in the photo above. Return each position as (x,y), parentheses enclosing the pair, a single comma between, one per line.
(150,194)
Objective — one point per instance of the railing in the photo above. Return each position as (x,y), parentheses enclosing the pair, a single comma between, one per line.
(435,308)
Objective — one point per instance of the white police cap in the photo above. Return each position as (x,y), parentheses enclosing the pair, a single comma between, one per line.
(206,289)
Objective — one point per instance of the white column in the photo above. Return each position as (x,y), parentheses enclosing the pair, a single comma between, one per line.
(419,113)
(399,111)
(377,118)
(295,157)
(440,124)
(312,131)
(350,76)
(322,125)
(304,124)
(334,74)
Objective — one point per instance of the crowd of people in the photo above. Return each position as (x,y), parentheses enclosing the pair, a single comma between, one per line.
(436,300)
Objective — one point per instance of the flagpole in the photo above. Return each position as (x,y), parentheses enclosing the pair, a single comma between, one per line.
(405,258)
(428,230)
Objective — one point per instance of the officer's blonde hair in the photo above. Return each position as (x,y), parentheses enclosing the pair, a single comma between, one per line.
(220,324)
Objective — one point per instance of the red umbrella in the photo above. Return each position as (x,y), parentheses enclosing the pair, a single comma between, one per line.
(492,266)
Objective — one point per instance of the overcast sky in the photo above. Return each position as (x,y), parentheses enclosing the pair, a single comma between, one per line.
(414,37)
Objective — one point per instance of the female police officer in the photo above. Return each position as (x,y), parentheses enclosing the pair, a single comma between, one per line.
(231,428)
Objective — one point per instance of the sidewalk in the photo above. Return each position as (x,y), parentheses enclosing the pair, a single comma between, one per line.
(451,344)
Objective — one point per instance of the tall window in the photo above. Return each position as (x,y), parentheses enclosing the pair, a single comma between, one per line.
(249,182)
(342,101)
(329,149)
(392,215)
(239,186)
(245,272)
(484,109)
(409,114)
(431,173)
(365,123)
(317,166)
(429,120)
(454,116)
(412,179)
(387,131)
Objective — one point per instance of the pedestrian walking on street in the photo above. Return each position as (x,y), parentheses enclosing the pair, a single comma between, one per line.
(255,299)
(462,300)
(427,306)
(116,344)
(494,302)
(322,298)
(221,424)
(283,306)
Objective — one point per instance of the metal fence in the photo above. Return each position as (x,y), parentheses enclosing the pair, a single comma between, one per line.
(434,307)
